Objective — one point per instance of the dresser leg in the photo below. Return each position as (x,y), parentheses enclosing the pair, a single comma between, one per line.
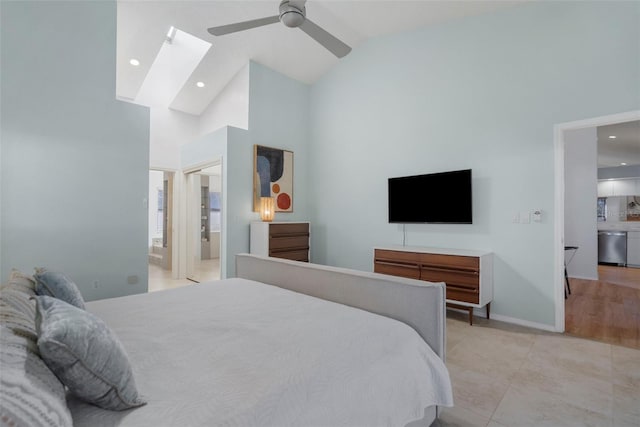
(488,309)
(471,316)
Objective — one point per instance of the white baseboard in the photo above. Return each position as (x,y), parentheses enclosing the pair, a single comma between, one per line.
(583,278)
(482,312)
(521,322)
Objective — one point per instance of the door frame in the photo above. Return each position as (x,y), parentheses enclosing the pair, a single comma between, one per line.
(187,222)
(558,239)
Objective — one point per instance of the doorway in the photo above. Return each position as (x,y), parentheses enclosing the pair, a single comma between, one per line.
(204,222)
(160,233)
(601,302)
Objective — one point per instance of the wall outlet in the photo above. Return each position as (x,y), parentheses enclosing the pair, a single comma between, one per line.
(132,280)
(96,284)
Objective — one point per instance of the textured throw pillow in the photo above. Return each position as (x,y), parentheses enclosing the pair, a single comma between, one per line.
(85,355)
(30,394)
(17,310)
(59,286)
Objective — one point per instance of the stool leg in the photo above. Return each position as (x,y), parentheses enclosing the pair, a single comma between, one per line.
(488,309)
(471,316)
(566,278)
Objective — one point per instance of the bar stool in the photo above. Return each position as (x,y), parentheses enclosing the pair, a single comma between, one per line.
(573,250)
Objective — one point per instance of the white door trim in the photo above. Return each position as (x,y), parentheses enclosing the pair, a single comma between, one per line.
(558,148)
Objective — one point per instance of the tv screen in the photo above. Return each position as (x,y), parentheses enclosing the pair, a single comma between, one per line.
(443,198)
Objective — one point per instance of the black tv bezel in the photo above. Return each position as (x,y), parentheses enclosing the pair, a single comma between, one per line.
(434,222)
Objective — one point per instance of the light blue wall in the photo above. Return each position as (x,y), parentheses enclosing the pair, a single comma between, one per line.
(74,160)
(481,93)
(234,147)
(279,117)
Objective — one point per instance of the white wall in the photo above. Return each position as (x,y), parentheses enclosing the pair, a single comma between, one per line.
(169,130)
(483,93)
(230,107)
(580,202)
(60,120)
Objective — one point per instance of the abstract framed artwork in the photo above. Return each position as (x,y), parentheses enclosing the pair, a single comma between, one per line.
(273,177)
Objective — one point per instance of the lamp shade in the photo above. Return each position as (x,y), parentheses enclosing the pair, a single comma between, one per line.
(267,208)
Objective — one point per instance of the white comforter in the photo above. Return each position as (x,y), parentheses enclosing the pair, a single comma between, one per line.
(242,353)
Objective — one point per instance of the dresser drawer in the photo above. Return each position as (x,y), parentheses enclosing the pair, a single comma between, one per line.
(450,261)
(462,294)
(467,279)
(396,256)
(301,228)
(412,271)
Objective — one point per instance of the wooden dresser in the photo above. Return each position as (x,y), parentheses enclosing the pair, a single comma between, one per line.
(289,240)
(468,274)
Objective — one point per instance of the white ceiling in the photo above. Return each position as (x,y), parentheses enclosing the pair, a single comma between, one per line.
(625,148)
(143,27)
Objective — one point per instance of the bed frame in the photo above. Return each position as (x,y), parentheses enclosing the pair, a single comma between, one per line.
(419,304)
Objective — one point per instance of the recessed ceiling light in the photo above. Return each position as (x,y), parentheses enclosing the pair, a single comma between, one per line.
(623,164)
(612,137)
(134,62)
(200,84)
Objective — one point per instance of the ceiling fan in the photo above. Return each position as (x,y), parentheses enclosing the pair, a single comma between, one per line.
(292,14)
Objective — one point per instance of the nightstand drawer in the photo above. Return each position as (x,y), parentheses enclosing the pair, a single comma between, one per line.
(297,242)
(301,255)
(301,228)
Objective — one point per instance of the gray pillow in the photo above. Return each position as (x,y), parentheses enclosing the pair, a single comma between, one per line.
(59,286)
(85,355)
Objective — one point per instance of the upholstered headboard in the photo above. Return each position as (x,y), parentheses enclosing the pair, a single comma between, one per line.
(419,304)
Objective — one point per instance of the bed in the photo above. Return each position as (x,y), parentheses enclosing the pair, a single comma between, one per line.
(282,344)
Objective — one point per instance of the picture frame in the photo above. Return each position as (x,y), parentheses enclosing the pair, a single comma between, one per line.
(273,177)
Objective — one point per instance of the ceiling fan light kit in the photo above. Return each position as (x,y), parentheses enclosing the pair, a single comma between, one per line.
(290,15)
(293,14)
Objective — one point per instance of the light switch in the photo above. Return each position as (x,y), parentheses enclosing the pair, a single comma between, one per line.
(516,218)
(525,217)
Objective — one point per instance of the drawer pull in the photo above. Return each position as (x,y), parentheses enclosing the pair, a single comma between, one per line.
(279,235)
(460,270)
(458,288)
(398,264)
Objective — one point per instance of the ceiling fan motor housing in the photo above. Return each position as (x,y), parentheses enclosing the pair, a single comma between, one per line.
(290,15)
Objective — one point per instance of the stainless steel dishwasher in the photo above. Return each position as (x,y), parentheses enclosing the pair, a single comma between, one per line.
(612,247)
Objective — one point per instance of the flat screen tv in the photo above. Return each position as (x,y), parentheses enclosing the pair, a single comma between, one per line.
(441,198)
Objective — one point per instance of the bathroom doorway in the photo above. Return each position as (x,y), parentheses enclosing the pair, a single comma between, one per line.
(160,233)
(204,223)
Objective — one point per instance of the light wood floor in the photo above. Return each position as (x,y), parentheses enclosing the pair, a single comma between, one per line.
(608,309)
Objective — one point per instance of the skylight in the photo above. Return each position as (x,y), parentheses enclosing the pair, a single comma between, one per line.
(171,69)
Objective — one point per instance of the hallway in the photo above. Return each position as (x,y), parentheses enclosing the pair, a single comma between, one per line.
(608,309)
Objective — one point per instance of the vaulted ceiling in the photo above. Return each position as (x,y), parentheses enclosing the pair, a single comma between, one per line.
(143,27)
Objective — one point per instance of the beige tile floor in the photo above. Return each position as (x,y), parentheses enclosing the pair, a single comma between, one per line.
(160,279)
(510,376)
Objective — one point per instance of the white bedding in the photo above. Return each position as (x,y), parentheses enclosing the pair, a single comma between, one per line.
(242,353)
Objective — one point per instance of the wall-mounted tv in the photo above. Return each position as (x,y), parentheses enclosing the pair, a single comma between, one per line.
(442,198)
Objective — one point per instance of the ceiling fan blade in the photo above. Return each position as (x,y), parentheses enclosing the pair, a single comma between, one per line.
(331,43)
(241,26)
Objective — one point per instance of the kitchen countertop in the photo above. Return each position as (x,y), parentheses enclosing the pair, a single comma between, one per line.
(619,226)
